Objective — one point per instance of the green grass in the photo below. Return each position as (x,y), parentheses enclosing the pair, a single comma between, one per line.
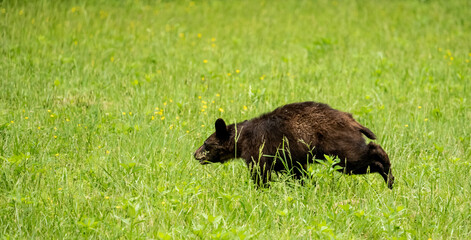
(103,103)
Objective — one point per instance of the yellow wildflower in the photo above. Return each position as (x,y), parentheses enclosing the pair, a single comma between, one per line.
(205,61)
(221,110)
(103,14)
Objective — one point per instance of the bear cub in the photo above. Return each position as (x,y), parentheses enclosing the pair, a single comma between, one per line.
(297,134)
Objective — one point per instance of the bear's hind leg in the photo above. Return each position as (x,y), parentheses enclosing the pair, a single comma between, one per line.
(381,163)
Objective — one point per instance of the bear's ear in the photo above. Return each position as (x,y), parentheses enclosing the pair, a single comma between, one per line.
(221,129)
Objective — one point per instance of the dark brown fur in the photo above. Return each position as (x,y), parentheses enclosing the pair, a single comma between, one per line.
(303,131)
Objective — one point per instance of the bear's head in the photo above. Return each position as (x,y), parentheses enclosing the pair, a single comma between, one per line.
(219,147)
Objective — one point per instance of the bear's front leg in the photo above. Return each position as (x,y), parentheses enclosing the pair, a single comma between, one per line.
(260,172)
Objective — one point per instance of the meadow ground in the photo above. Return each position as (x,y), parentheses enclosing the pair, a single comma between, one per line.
(102,104)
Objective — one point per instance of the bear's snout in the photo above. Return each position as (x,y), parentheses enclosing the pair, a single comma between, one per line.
(200,155)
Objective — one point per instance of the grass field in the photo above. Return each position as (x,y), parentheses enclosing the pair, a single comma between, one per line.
(102,104)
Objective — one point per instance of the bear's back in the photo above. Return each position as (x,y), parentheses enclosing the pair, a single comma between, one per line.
(307,121)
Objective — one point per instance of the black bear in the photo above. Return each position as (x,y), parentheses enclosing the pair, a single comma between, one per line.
(299,133)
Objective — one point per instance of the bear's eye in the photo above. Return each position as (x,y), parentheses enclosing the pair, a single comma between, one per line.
(208,147)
